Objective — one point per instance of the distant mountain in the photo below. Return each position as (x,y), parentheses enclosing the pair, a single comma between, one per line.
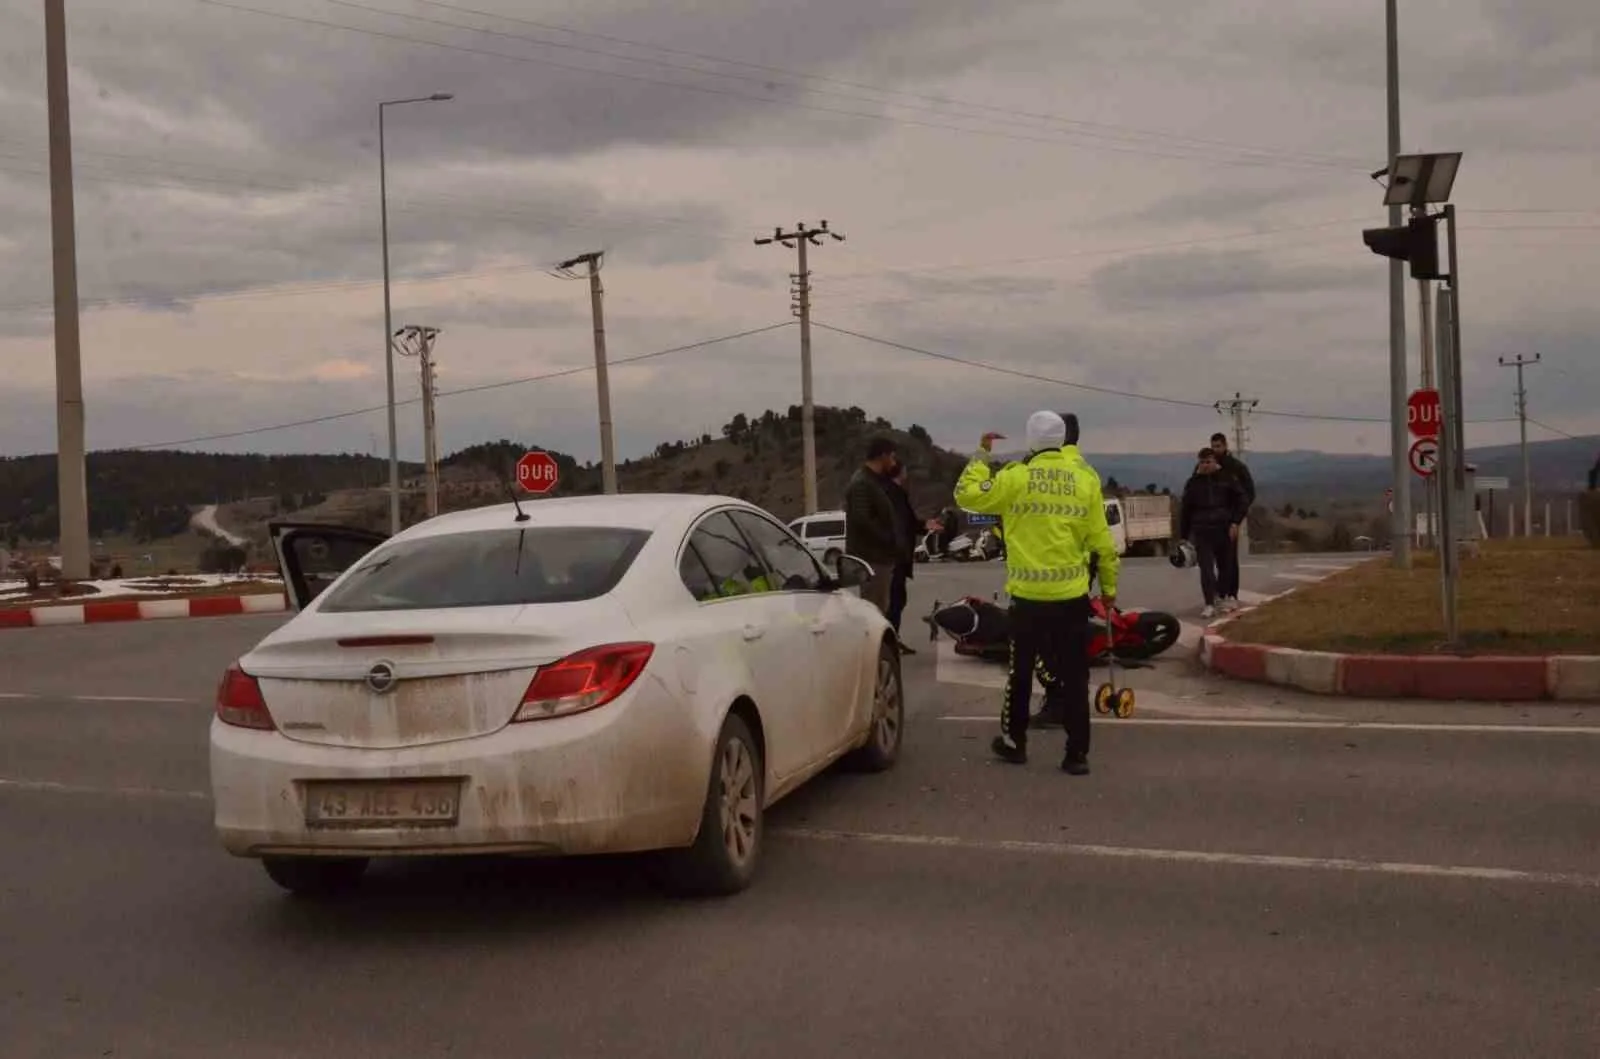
(148,495)
(1558,467)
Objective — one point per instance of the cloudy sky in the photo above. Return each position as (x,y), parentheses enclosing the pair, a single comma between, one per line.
(1161,197)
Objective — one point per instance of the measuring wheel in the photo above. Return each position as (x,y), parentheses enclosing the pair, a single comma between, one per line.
(1103,697)
(1122,703)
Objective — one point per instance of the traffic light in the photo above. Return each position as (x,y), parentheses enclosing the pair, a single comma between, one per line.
(1416,242)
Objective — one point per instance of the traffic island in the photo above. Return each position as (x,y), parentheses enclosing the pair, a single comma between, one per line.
(1529,613)
(138,599)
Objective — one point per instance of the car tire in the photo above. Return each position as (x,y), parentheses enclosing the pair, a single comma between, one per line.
(830,558)
(727,851)
(316,876)
(882,748)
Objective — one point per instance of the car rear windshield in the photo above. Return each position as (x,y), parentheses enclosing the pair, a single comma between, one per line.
(833,527)
(490,568)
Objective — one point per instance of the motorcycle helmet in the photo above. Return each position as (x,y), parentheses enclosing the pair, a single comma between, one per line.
(1182,556)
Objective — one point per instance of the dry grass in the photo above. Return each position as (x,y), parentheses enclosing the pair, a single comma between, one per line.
(1531,596)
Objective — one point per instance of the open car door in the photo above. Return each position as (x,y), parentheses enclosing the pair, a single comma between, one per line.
(312,555)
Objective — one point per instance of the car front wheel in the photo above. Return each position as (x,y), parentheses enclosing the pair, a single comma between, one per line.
(727,851)
(316,876)
(882,748)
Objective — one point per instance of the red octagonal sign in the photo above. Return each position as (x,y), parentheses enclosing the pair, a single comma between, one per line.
(537,472)
(1423,413)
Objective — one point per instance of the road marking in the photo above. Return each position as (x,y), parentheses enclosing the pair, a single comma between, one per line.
(1309,579)
(1376,726)
(1250,598)
(52,787)
(1196,856)
(1330,567)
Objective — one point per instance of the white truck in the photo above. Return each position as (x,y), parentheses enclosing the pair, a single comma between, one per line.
(1142,524)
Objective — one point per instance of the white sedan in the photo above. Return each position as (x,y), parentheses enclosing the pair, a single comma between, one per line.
(600,674)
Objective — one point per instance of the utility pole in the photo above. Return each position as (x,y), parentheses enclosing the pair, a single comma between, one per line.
(797,240)
(1399,445)
(414,341)
(1520,362)
(1237,408)
(608,454)
(72,489)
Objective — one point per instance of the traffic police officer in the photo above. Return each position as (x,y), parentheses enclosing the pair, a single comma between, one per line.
(1055,520)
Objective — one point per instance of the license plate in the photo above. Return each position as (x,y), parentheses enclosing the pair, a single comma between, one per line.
(398,803)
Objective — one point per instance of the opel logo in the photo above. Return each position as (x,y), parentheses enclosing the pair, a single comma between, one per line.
(381,678)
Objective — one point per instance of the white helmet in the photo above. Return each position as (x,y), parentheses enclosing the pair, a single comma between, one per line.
(1182,556)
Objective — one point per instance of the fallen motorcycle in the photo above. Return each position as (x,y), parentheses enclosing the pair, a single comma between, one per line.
(981,629)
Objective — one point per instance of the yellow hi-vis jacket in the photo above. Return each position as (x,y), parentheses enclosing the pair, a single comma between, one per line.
(1054,517)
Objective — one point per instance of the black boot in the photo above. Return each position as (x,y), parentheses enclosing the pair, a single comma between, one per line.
(1009,752)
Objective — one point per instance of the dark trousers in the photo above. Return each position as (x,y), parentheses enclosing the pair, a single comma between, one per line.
(1055,636)
(897,597)
(1229,577)
(1218,560)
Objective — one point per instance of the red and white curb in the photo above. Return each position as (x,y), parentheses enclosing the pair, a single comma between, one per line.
(1484,678)
(110,610)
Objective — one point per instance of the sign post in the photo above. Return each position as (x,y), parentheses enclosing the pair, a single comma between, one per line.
(537,472)
(1451,456)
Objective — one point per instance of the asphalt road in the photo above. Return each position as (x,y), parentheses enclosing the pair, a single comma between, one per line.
(1245,874)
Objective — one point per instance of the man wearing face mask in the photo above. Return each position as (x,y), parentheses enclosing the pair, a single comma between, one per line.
(873,531)
(1054,520)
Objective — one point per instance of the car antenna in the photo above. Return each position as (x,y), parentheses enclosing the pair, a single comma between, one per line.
(522,516)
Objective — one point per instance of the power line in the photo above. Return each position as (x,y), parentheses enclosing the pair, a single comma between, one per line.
(770,100)
(1554,430)
(1145,248)
(544,377)
(941,107)
(1106,390)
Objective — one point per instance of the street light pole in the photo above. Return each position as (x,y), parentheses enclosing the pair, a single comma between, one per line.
(1400,526)
(72,491)
(388,320)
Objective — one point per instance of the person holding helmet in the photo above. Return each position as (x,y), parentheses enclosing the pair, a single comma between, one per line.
(1055,520)
(1214,504)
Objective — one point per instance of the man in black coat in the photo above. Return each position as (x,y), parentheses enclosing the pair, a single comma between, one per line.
(1233,467)
(900,493)
(872,528)
(1213,508)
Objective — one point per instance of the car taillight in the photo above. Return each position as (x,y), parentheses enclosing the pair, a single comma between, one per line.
(239,701)
(583,681)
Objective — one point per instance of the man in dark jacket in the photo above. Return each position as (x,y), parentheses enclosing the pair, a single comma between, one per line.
(1213,507)
(872,528)
(1233,466)
(900,493)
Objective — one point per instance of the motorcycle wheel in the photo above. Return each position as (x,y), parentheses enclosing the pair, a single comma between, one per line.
(1157,632)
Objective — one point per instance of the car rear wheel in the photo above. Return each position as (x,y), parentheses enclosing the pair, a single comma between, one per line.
(830,558)
(726,853)
(316,876)
(882,748)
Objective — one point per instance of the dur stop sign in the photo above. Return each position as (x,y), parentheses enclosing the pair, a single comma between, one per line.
(537,472)
(1424,414)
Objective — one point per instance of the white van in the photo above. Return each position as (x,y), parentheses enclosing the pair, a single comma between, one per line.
(822,533)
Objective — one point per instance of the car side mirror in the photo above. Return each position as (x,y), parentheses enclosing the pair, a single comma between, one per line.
(850,572)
